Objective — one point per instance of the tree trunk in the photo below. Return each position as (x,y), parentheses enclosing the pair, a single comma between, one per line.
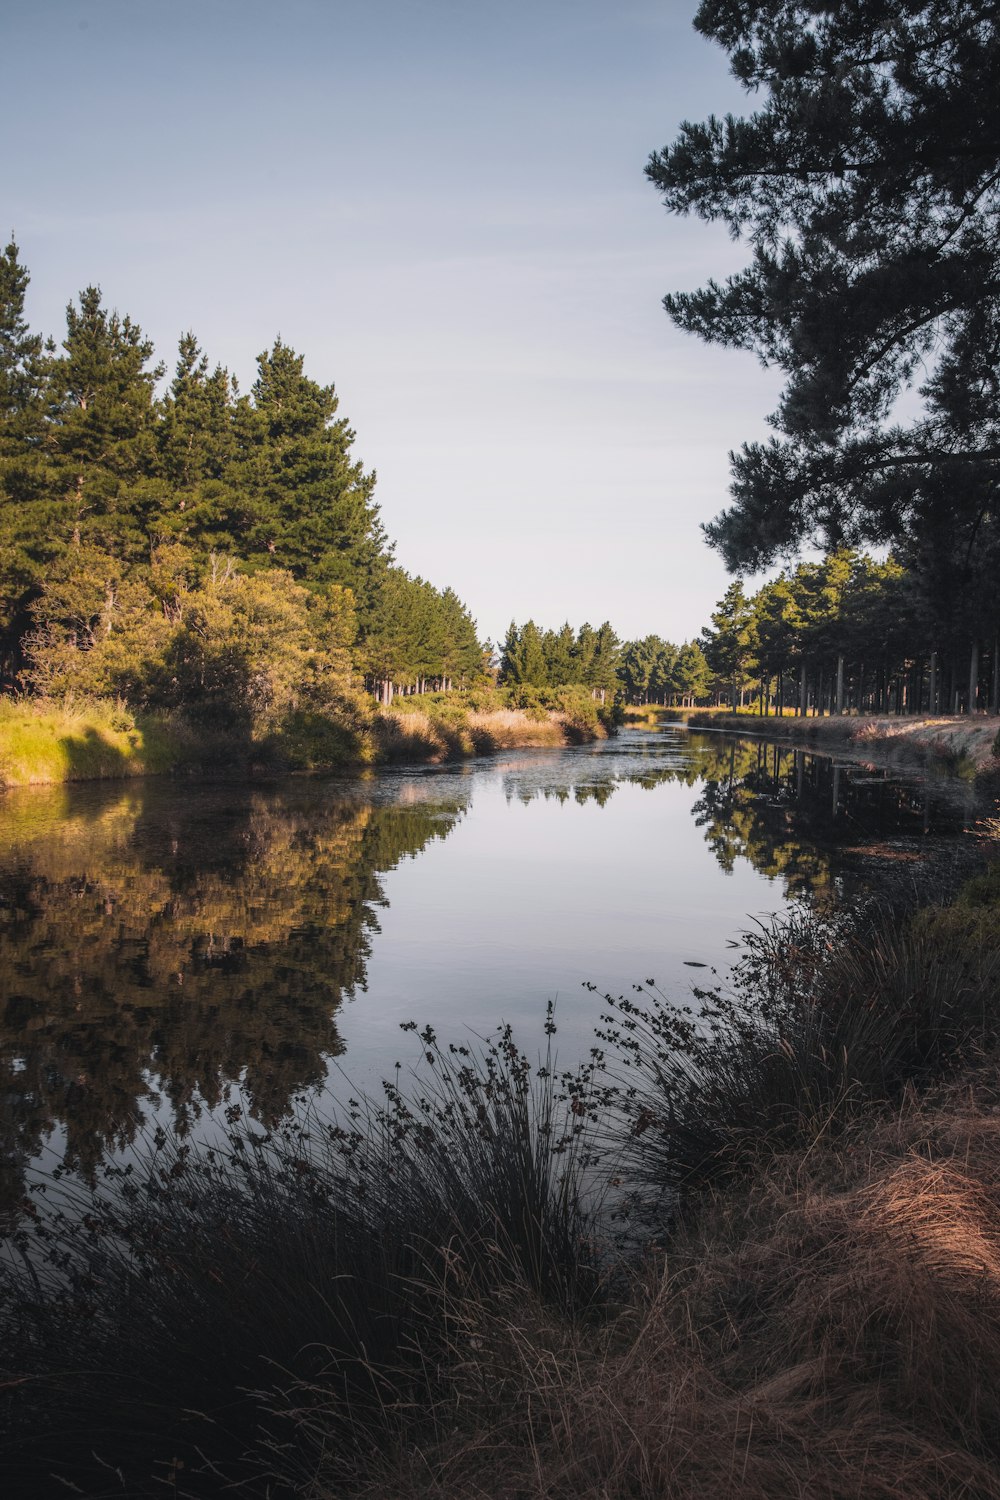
(974,679)
(932,688)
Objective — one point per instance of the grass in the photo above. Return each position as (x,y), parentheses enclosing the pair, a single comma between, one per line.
(824,1016)
(447,725)
(830,1328)
(250,1314)
(49,742)
(436,1295)
(43,742)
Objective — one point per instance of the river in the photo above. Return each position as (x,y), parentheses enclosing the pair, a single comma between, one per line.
(170,951)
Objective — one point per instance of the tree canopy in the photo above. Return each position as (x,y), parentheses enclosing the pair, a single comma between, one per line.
(867,186)
(191,546)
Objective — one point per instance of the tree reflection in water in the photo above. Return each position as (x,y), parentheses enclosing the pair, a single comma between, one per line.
(161,947)
(170,949)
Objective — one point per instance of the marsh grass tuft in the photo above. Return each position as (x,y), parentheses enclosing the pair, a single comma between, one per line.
(824,1016)
(197,1313)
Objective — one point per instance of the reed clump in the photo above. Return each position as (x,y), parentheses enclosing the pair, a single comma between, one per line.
(196,1318)
(829,1328)
(823,1016)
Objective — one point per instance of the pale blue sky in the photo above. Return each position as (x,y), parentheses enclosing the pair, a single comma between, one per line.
(441,203)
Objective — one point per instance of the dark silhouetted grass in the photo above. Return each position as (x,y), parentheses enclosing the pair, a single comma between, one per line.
(824,1016)
(177,1324)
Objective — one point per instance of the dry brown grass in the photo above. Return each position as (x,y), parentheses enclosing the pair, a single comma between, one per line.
(416,736)
(830,1331)
(960,741)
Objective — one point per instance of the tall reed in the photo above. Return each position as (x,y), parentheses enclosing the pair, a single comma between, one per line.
(824,1015)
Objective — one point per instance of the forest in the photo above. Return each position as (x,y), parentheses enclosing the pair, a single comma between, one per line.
(194,546)
(185,548)
(181,547)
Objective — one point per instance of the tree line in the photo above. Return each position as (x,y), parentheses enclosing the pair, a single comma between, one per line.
(196,545)
(847,633)
(643,671)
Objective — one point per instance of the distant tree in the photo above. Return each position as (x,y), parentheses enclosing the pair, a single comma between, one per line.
(637,667)
(523,660)
(196,449)
(22,374)
(692,674)
(22,411)
(303,502)
(100,436)
(559,653)
(602,676)
(729,645)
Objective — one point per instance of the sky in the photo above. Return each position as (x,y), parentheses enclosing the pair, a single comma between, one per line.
(441,205)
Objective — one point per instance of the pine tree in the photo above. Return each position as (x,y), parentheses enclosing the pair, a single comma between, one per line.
(730,643)
(196,449)
(304,503)
(22,379)
(523,660)
(557,648)
(603,675)
(866,185)
(101,427)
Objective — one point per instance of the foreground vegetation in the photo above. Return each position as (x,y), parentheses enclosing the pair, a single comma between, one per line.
(751,1247)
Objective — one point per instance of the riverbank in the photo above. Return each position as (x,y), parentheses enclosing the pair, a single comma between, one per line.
(42,743)
(959,745)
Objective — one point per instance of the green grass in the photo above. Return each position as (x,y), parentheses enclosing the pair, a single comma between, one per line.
(43,742)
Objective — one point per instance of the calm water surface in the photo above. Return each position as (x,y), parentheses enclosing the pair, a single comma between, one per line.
(167,951)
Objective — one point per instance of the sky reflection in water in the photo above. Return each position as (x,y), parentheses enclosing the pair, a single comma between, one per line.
(168,950)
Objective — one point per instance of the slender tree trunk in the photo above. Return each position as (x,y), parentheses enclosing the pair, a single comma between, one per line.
(802,691)
(932,687)
(974,679)
(995,680)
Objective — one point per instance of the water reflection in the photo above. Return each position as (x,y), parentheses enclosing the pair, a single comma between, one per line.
(164,949)
(160,946)
(803,819)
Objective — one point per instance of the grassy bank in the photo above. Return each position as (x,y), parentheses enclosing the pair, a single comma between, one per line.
(959,745)
(45,741)
(753,1250)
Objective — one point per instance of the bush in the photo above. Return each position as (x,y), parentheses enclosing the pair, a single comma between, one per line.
(236,652)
